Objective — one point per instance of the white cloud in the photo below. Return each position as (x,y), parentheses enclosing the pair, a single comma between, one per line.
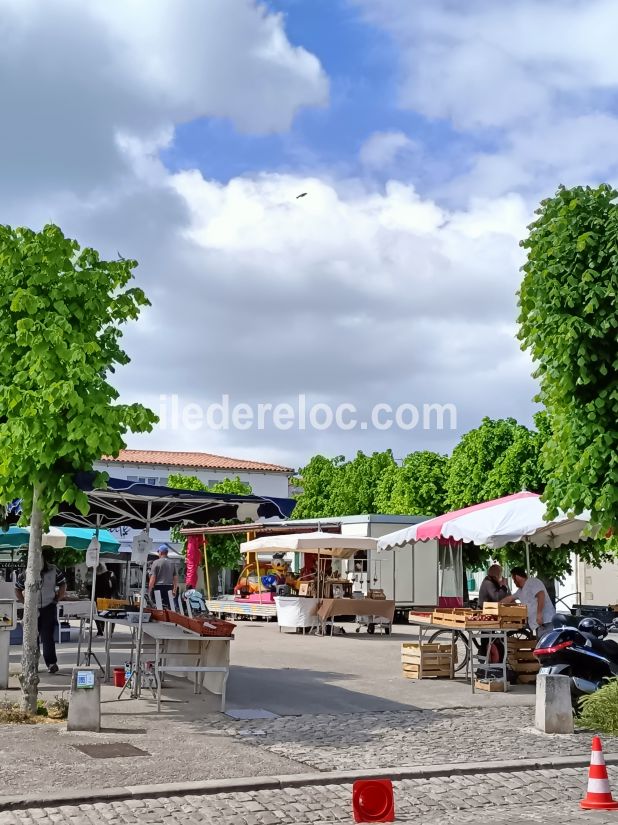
(79,75)
(382,149)
(349,294)
(533,81)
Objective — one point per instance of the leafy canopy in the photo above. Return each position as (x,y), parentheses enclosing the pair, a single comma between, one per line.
(61,309)
(569,323)
(417,487)
(223,551)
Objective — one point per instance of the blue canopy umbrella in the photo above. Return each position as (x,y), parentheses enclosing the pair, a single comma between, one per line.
(77,538)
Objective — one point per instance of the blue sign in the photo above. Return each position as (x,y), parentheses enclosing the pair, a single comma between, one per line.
(85,679)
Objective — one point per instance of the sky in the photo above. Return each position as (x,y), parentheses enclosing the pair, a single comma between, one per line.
(424,134)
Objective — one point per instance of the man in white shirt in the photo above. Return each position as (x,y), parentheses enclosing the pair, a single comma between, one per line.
(532,592)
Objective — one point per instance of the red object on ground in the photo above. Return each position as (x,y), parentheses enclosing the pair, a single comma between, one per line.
(119,677)
(372,800)
(598,796)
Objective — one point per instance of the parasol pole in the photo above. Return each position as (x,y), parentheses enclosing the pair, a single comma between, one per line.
(89,654)
(136,671)
(527,556)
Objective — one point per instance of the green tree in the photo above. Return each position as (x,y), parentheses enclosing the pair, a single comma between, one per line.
(568,322)
(356,483)
(474,469)
(61,309)
(318,480)
(224,550)
(417,487)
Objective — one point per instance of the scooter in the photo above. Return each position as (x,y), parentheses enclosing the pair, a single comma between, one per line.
(582,653)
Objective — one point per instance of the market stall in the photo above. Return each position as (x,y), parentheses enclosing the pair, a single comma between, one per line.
(332,594)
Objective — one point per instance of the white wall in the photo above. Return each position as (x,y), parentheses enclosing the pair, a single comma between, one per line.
(598,585)
(262,484)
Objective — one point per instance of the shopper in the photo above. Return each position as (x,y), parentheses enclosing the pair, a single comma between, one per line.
(53,588)
(163,578)
(104,588)
(532,592)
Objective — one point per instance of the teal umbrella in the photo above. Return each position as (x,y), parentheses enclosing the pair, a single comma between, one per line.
(76,538)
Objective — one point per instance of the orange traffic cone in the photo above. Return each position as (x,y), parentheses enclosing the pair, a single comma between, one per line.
(598,796)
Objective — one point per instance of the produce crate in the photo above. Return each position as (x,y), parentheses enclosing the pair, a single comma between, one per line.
(510,611)
(427,661)
(490,685)
(466,620)
(158,615)
(521,659)
(112,604)
(415,617)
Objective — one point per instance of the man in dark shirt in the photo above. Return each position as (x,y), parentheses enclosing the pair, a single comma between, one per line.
(494,587)
(163,577)
(53,588)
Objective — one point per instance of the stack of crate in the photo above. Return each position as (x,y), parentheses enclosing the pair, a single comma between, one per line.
(428,661)
(521,659)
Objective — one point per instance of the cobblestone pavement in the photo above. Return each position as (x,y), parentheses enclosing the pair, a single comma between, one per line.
(409,738)
(503,799)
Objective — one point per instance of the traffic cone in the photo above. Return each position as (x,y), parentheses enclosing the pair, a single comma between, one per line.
(598,796)
(372,800)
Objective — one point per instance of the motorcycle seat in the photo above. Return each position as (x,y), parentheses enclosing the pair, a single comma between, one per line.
(605,647)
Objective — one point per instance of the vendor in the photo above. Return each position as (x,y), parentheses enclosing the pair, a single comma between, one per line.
(532,592)
(494,586)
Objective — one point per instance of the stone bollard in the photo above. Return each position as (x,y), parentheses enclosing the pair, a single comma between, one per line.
(85,700)
(554,712)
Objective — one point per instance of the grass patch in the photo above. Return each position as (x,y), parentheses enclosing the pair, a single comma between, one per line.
(54,711)
(599,711)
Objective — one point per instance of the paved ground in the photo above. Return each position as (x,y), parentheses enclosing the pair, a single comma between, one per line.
(502,799)
(341,703)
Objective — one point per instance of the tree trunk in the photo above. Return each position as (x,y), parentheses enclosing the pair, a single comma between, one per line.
(30,653)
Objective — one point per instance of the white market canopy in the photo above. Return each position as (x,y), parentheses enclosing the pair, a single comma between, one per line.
(495,523)
(323,544)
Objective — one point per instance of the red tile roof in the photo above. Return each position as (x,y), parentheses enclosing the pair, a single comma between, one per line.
(204,461)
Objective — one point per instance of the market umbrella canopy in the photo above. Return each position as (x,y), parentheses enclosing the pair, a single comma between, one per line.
(325,544)
(494,523)
(130,504)
(60,537)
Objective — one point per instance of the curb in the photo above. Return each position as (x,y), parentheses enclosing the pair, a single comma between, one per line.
(262,783)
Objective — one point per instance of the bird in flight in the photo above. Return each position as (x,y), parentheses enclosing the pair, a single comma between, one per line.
(302,195)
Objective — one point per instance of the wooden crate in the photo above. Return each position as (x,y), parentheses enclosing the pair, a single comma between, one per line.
(464,621)
(433,661)
(522,661)
(506,611)
(492,686)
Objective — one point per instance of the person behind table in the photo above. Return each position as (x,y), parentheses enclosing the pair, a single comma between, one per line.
(104,588)
(163,577)
(532,592)
(53,588)
(494,586)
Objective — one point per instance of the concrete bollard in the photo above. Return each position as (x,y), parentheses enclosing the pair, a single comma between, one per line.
(554,712)
(85,700)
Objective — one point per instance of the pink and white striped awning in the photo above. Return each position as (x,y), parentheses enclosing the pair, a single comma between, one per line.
(493,524)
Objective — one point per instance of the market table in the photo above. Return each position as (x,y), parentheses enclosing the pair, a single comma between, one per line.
(488,634)
(296,611)
(209,656)
(329,608)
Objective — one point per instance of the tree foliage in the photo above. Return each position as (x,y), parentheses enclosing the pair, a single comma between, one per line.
(569,323)
(61,312)
(417,487)
(223,551)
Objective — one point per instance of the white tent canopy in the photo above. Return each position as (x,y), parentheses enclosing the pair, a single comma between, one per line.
(323,544)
